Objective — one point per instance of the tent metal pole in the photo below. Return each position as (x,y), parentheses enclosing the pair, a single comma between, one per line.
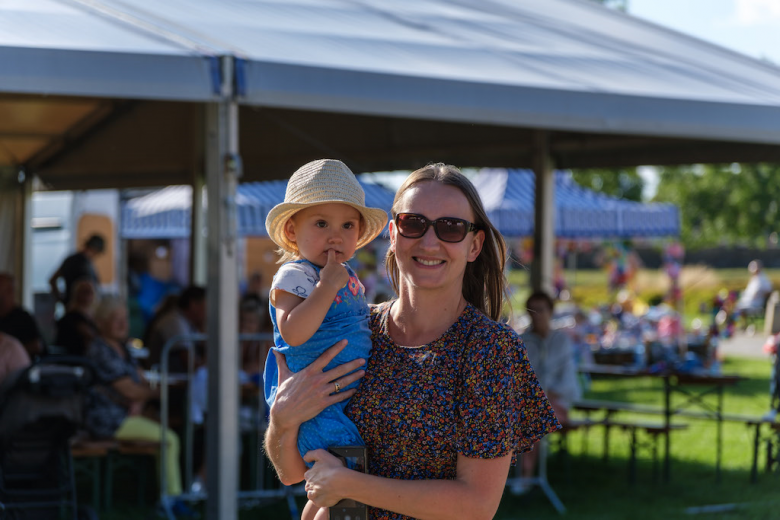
(223,168)
(198,249)
(24,272)
(544,214)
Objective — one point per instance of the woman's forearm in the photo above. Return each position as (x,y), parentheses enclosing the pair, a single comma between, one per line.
(425,499)
(282,450)
(134,391)
(474,493)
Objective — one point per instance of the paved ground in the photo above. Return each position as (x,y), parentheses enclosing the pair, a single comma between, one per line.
(744,345)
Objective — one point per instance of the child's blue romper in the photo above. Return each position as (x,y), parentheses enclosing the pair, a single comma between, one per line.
(347,318)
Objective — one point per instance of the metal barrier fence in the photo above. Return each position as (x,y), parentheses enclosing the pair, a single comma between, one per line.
(247,497)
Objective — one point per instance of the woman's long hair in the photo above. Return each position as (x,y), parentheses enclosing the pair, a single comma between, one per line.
(484,283)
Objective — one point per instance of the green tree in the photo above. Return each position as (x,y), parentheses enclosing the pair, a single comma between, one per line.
(625,183)
(723,204)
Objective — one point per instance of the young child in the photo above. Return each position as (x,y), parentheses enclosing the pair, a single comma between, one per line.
(316,299)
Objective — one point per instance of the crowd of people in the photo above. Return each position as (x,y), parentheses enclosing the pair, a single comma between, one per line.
(467,397)
(122,404)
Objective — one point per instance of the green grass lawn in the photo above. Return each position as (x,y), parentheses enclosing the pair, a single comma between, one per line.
(591,488)
(595,489)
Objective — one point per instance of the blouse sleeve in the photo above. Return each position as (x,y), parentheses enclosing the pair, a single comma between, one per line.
(109,366)
(295,278)
(502,407)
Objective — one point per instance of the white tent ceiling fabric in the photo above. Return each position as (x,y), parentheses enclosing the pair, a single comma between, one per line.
(558,64)
(84,48)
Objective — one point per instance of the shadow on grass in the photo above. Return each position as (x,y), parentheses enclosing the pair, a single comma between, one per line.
(592,489)
(595,489)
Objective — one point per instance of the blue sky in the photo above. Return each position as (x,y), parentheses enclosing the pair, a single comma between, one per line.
(751,27)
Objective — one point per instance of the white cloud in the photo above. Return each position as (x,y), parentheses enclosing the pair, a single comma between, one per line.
(757,12)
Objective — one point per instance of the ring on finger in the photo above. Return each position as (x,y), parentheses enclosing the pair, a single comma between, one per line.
(338,386)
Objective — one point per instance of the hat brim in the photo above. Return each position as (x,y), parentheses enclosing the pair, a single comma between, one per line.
(374,220)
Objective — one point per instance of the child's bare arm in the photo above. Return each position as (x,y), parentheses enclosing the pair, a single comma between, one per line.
(298,318)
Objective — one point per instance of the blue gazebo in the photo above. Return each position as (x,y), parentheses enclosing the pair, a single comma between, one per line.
(508,196)
(167,213)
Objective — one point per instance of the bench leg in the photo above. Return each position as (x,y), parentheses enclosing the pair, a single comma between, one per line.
(606,442)
(92,466)
(564,450)
(97,466)
(632,459)
(108,488)
(754,466)
(655,458)
(585,436)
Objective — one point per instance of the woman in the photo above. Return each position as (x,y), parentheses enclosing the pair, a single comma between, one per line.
(448,396)
(115,405)
(76,329)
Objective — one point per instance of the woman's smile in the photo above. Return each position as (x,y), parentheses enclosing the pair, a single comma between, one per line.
(427,261)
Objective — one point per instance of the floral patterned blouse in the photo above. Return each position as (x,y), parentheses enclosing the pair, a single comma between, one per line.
(106,408)
(471,392)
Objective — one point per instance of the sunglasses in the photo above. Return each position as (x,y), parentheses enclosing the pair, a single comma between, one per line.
(448,229)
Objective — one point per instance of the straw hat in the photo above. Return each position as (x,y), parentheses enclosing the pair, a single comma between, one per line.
(323,181)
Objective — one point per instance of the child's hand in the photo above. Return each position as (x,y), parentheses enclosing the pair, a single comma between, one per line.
(334,274)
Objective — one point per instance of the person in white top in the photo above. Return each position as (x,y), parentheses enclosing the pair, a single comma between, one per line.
(551,355)
(753,298)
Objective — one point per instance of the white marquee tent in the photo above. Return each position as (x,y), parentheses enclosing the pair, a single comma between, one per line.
(109,93)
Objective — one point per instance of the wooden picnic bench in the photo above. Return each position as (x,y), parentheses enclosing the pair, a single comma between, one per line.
(100,459)
(609,409)
(650,431)
(772,440)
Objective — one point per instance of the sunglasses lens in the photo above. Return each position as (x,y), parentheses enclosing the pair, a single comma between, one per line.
(411,226)
(451,229)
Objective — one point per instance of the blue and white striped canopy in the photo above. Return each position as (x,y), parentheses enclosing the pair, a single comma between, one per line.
(508,196)
(166,213)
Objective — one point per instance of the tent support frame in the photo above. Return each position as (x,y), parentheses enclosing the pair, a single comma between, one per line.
(544,214)
(223,168)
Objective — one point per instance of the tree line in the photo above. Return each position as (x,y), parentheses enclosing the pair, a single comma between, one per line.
(720,204)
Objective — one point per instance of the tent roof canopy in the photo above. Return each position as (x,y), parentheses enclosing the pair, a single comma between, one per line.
(52,47)
(508,196)
(381,86)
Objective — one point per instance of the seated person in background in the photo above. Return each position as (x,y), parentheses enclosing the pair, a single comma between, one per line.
(254,288)
(253,319)
(187,317)
(115,405)
(17,322)
(13,357)
(551,355)
(753,298)
(76,329)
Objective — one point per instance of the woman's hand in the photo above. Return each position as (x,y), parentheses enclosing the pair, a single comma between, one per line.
(321,478)
(301,396)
